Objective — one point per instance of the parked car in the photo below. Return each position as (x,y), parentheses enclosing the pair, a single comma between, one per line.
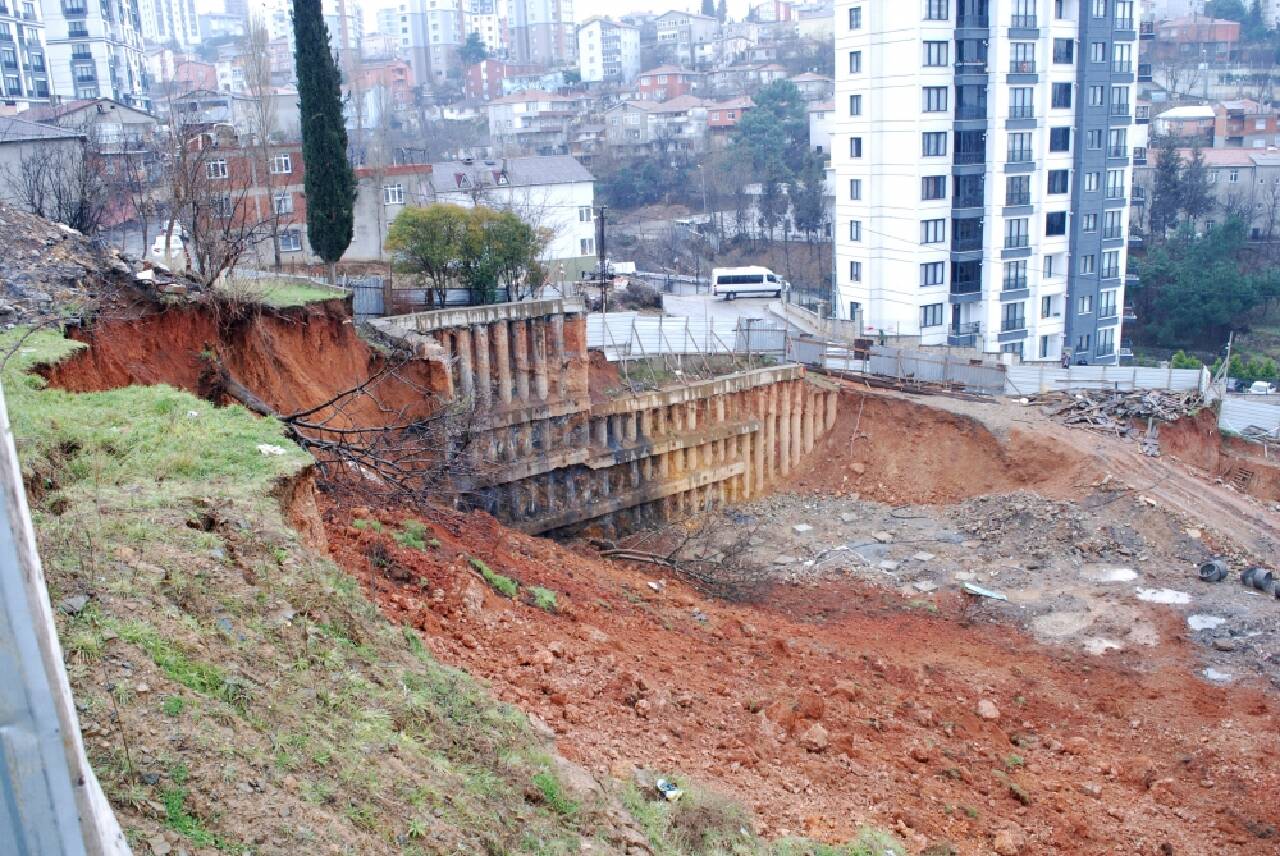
(1261,387)
(730,283)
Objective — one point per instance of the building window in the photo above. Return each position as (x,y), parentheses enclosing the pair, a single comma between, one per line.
(935,54)
(1023,58)
(1013,317)
(1020,147)
(1064,51)
(933,231)
(1014,348)
(1084,305)
(1082,343)
(855,105)
(1092,181)
(1115,184)
(1017,190)
(215,169)
(855,62)
(1233,176)
(934,144)
(1044,347)
(1021,103)
(1088,264)
(855,189)
(1114,225)
(1015,275)
(1055,224)
(855,18)
(281,165)
(1106,341)
(1059,180)
(931,315)
(282,202)
(586,246)
(586,213)
(933,273)
(935,99)
(393,194)
(290,241)
(855,147)
(1059,139)
(855,230)
(1017,233)
(936,10)
(933,187)
(1089,222)
(1111,264)
(1048,308)
(1107,304)
(1061,97)
(855,271)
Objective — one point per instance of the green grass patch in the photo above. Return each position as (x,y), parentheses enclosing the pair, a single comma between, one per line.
(173,706)
(413,533)
(181,821)
(543,598)
(203,678)
(503,585)
(553,793)
(364,524)
(279,293)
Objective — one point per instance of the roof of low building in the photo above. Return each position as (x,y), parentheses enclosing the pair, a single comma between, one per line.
(453,176)
(53,112)
(668,69)
(810,76)
(1190,112)
(14,130)
(1221,157)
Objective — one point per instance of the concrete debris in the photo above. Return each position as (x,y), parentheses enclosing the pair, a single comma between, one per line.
(267,449)
(1114,412)
(924,586)
(882,537)
(979,591)
(923,557)
(801,528)
(657,585)
(73,605)
(988,710)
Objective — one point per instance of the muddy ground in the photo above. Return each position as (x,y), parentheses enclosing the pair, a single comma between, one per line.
(848,678)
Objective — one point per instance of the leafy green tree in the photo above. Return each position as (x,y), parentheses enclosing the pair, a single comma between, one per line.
(1166,192)
(775,132)
(473,50)
(808,196)
(1182,360)
(1194,290)
(428,242)
(1196,201)
(330,183)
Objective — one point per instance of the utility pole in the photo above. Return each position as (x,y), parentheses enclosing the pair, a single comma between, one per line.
(601,271)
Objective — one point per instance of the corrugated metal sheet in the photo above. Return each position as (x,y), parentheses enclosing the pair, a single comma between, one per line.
(1031,379)
(1241,412)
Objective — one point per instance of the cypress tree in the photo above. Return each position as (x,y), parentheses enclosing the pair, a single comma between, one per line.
(330,183)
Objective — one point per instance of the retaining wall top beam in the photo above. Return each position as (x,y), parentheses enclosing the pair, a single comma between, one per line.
(443,319)
(702,389)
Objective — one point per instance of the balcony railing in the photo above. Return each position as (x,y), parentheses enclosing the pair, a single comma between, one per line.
(1143,113)
(966,286)
(1139,157)
(1117,151)
(1023,22)
(1022,111)
(1017,242)
(964,335)
(968,200)
(1124,23)
(971,66)
(966,244)
(1147,30)
(1019,156)
(1130,314)
(1022,66)
(1022,198)
(1122,66)
(9,63)
(1011,325)
(1014,284)
(1111,273)
(1144,72)
(971,111)
(971,157)
(1115,193)
(1120,109)
(1112,233)
(74,9)
(972,20)
(1106,313)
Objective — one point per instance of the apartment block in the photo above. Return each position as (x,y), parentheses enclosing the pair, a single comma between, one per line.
(982,156)
(95,50)
(542,31)
(23,56)
(608,51)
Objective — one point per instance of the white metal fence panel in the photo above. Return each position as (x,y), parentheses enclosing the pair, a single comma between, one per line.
(1241,412)
(1031,379)
(629,335)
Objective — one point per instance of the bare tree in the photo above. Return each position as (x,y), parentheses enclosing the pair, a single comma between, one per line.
(262,115)
(64,182)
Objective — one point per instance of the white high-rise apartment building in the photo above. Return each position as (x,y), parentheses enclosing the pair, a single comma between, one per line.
(95,50)
(542,31)
(608,51)
(981,150)
(168,22)
(23,60)
(481,17)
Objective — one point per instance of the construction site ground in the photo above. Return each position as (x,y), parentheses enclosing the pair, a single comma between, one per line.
(1113,704)
(828,678)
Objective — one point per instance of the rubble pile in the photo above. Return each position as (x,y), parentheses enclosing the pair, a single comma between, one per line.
(51,273)
(1117,412)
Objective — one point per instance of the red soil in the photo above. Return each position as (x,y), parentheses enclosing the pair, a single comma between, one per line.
(1195,440)
(1127,754)
(897,451)
(293,359)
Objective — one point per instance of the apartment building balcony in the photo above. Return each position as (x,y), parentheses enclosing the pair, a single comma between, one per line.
(967,200)
(1131,280)
(974,66)
(1022,111)
(1022,22)
(1113,233)
(971,157)
(1115,193)
(1020,156)
(1122,66)
(1015,199)
(1118,152)
(1126,349)
(9,63)
(1120,111)
(1022,66)
(74,9)
(1130,314)
(964,335)
(1111,273)
(966,243)
(971,112)
(966,291)
(1139,156)
(1147,30)
(1017,324)
(1144,72)
(1125,24)
(972,21)
(1142,114)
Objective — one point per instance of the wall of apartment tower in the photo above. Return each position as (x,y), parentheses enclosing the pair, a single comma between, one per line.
(962,149)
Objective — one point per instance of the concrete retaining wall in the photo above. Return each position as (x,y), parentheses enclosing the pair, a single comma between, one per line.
(546,459)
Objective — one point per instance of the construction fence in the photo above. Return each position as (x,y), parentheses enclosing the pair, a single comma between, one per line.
(1048,377)
(1241,413)
(633,336)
